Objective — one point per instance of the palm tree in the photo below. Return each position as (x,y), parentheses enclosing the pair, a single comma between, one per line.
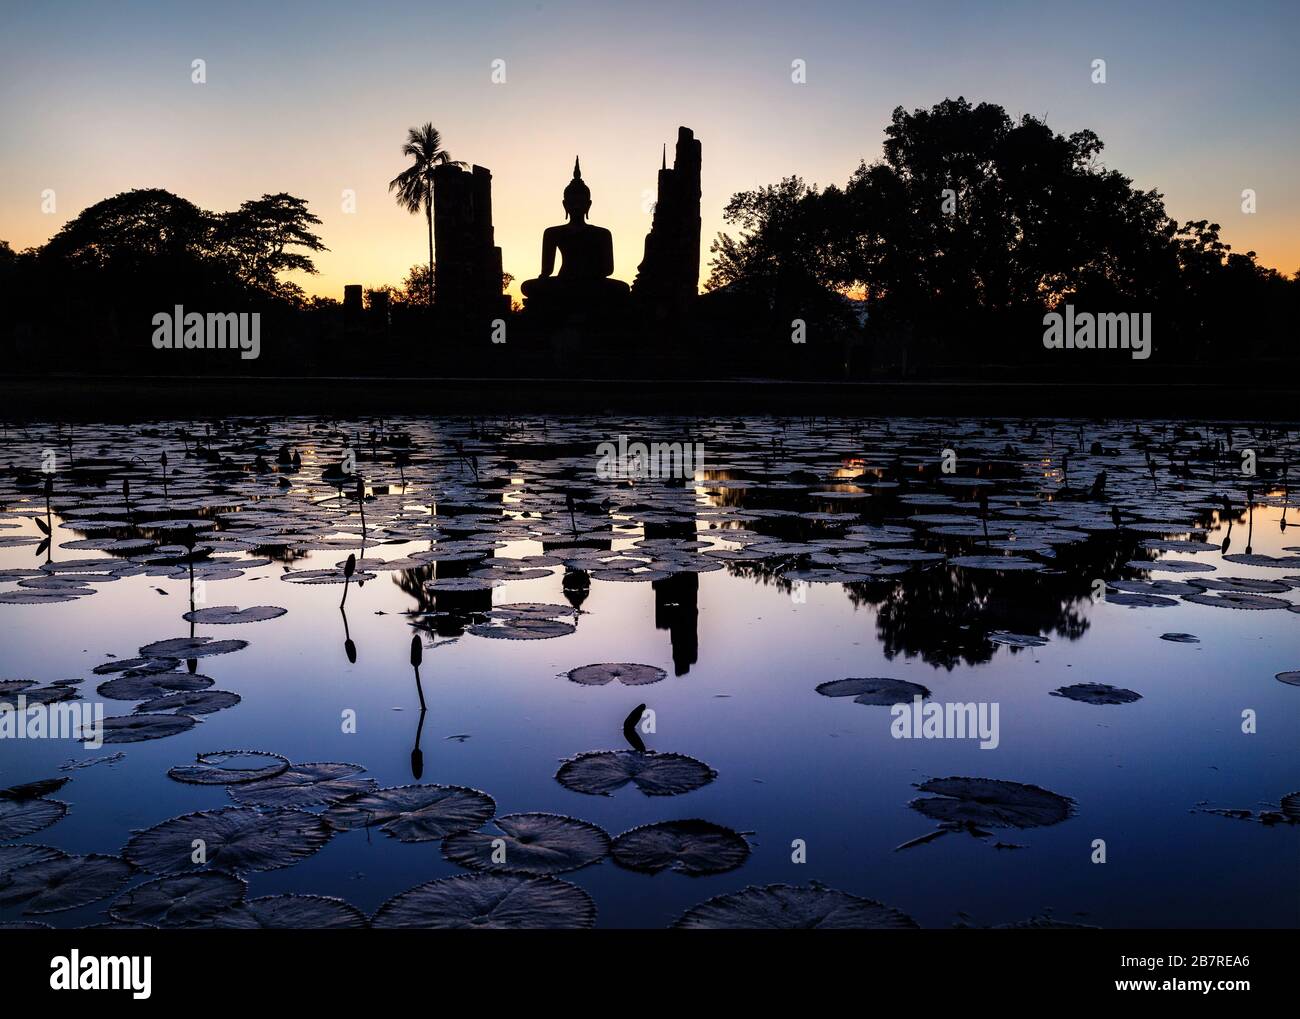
(414,185)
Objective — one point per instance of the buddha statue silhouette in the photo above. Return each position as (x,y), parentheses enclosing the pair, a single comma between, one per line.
(587,259)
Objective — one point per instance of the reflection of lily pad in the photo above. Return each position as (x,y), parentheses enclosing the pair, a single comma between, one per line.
(601,772)
(627,673)
(22,817)
(230,767)
(180,900)
(290,912)
(64,883)
(792,907)
(223,614)
(534,843)
(306,785)
(1097,693)
(191,702)
(876,690)
(135,728)
(994,802)
(688,847)
(489,901)
(235,839)
(414,813)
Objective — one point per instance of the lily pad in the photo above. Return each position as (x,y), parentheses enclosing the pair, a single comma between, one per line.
(22,817)
(874,690)
(489,901)
(1181,638)
(627,673)
(235,839)
(306,785)
(191,702)
(291,912)
(601,772)
(1289,678)
(64,883)
(228,614)
(993,802)
(793,907)
(689,847)
(230,767)
(523,628)
(13,857)
(191,647)
(180,900)
(1238,600)
(414,813)
(533,844)
(1097,693)
(136,728)
(150,685)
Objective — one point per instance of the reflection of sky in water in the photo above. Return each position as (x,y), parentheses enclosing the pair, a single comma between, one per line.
(791,764)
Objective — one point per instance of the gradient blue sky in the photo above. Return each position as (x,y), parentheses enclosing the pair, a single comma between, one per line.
(313,98)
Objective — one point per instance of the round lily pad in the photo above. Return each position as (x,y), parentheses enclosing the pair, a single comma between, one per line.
(489,901)
(689,847)
(150,685)
(523,628)
(235,839)
(533,843)
(1181,638)
(874,691)
(290,912)
(1289,678)
(13,857)
(228,614)
(137,728)
(993,802)
(180,900)
(601,772)
(1237,600)
(63,883)
(190,647)
(306,785)
(414,813)
(22,817)
(626,673)
(793,907)
(1097,693)
(191,702)
(230,767)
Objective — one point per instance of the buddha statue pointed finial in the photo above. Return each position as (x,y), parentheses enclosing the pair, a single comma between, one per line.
(587,254)
(665,164)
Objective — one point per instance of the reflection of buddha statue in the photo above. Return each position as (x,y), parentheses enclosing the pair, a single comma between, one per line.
(587,258)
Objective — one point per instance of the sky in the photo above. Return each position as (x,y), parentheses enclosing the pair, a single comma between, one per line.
(316,98)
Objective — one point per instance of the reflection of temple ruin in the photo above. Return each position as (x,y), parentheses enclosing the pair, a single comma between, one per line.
(468,275)
(668,277)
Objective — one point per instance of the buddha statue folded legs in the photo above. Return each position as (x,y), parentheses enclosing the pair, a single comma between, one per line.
(587,260)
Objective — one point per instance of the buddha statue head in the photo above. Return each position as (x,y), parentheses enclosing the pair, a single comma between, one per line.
(577,196)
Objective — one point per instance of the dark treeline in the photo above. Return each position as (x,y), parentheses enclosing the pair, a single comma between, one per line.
(971,228)
(939,260)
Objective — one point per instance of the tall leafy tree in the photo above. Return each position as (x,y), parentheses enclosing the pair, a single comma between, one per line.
(262,239)
(413,187)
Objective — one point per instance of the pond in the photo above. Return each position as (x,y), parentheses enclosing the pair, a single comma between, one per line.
(934,671)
